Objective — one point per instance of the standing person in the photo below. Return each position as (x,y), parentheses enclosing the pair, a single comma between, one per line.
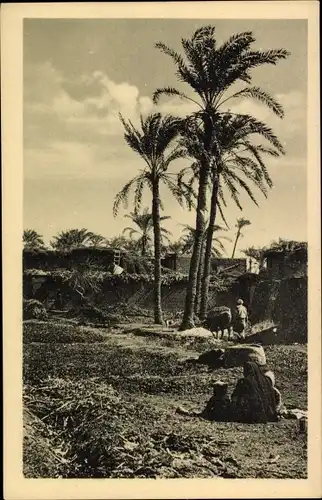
(241,318)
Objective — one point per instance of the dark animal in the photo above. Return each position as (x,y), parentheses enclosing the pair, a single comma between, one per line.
(219,319)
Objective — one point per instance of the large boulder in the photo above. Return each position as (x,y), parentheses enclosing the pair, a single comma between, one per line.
(237,355)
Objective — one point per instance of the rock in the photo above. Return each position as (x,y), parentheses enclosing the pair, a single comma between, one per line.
(237,355)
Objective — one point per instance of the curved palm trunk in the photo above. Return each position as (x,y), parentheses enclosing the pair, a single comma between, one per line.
(188,315)
(158,319)
(207,265)
(235,244)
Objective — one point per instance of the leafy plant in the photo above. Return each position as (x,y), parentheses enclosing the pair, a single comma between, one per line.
(34,309)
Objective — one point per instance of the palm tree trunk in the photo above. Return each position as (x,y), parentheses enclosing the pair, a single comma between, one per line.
(158,319)
(188,315)
(143,248)
(235,244)
(199,279)
(208,252)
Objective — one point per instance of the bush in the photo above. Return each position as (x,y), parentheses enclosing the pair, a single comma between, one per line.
(33,309)
(52,332)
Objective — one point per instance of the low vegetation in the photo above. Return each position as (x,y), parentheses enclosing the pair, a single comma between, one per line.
(34,309)
(84,400)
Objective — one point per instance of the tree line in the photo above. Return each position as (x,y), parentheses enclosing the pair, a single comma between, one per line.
(137,239)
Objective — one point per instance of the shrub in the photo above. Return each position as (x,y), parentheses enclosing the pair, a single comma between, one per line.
(33,309)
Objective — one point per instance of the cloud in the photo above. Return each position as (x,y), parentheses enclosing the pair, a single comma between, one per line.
(72,127)
(94,99)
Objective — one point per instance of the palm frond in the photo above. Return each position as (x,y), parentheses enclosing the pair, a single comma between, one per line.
(262,96)
(254,126)
(244,186)
(122,196)
(176,154)
(176,57)
(138,193)
(221,212)
(205,31)
(130,230)
(234,193)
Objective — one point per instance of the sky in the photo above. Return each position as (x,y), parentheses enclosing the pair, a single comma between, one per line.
(78,74)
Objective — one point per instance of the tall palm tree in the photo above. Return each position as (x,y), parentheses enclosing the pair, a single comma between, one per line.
(210,71)
(32,240)
(71,238)
(155,145)
(144,223)
(240,166)
(241,223)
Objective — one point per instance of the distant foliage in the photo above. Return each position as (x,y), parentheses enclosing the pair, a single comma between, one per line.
(32,240)
(33,309)
(72,238)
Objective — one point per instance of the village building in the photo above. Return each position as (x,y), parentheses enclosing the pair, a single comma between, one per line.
(286,263)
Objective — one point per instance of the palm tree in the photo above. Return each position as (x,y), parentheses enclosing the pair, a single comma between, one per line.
(32,240)
(97,240)
(174,247)
(144,222)
(154,144)
(71,238)
(120,242)
(210,71)
(240,166)
(254,254)
(241,223)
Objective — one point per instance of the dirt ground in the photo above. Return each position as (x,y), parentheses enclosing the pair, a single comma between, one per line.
(109,409)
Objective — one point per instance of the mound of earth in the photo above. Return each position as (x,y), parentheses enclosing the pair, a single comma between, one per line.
(197,332)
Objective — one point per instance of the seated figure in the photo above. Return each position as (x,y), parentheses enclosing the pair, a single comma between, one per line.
(254,398)
(217,408)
